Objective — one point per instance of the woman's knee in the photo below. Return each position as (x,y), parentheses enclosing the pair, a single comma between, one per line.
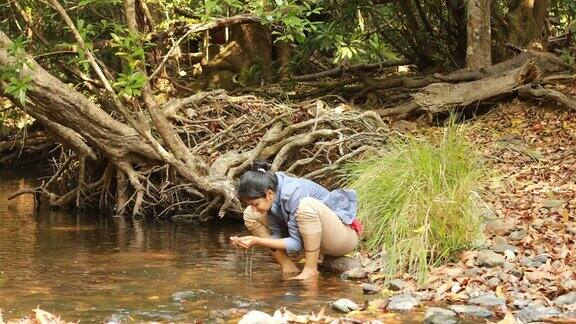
(306,206)
(252,219)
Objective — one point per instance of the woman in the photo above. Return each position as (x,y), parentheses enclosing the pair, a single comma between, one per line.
(288,214)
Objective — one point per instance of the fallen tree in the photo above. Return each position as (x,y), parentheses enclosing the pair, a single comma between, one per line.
(403,93)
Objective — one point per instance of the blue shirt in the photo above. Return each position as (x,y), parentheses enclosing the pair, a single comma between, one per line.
(282,215)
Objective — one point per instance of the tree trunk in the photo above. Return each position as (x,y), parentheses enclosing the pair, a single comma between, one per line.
(478,52)
(528,23)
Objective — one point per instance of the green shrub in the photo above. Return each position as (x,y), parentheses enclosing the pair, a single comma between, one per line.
(418,201)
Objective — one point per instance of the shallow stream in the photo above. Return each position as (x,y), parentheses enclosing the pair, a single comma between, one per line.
(87,266)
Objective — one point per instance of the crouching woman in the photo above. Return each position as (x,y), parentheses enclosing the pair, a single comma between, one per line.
(289,214)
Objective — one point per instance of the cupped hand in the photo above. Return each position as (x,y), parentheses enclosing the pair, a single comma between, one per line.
(244,242)
(235,241)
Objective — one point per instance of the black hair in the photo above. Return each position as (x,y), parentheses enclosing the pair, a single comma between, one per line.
(254,183)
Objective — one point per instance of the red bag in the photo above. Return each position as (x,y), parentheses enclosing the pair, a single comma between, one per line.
(357,226)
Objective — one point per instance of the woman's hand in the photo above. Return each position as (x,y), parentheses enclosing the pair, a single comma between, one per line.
(244,242)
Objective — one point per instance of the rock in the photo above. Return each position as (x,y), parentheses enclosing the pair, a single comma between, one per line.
(440,319)
(527,262)
(373,266)
(566,299)
(473,271)
(537,223)
(541,258)
(356,273)
(423,295)
(498,226)
(509,255)
(437,315)
(339,264)
(520,303)
(183,295)
(497,240)
(487,300)
(536,313)
(291,297)
(500,248)
(554,203)
(480,242)
(220,314)
(344,305)
(516,273)
(493,282)
(471,310)
(117,318)
(430,311)
(370,288)
(489,258)
(488,213)
(242,302)
(256,317)
(517,234)
(455,288)
(402,302)
(396,285)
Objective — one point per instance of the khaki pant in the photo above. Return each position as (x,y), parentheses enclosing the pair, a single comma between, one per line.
(313,217)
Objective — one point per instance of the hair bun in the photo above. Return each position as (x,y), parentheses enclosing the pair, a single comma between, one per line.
(261,165)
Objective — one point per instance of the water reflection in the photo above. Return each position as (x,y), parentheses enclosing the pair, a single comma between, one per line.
(88,266)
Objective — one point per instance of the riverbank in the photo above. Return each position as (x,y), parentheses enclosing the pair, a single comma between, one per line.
(522,271)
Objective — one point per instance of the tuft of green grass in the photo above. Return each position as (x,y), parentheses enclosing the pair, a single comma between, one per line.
(418,201)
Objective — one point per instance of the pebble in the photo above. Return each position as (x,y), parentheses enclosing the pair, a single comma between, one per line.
(500,248)
(518,234)
(496,240)
(534,313)
(455,288)
(541,258)
(498,226)
(440,319)
(370,288)
(373,266)
(537,223)
(520,303)
(472,310)
(396,285)
(117,318)
(509,255)
(356,273)
(527,262)
(437,315)
(402,302)
(183,295)
(339,264)
(256,317)
(473,271)
(438,311)
(344,305)
(493,282)
(554,203)
(489,258)
(566,299)
(487,300)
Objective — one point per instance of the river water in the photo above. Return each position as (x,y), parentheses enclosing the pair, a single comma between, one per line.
(88,266)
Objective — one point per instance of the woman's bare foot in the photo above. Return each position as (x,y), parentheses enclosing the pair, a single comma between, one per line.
(290,268)
(306,274)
